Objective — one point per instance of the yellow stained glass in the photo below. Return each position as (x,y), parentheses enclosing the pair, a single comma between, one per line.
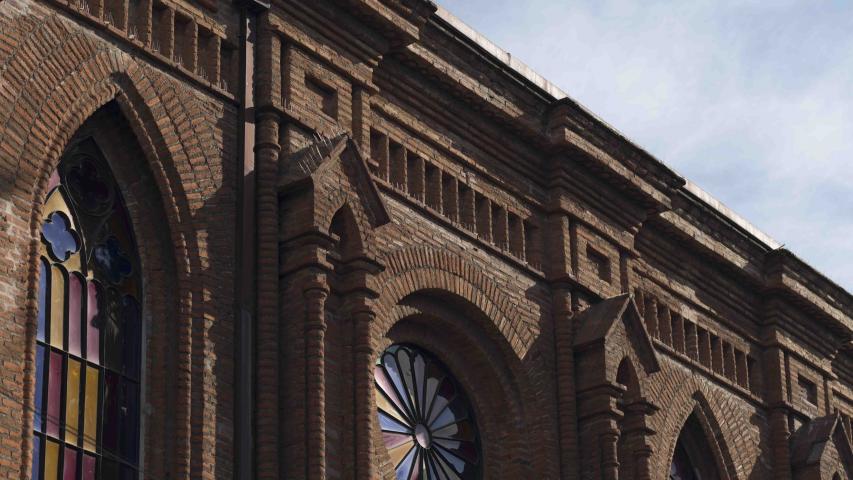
(72,402)
(90,416)
(386,407)
(51,461)
(57,306)
(397,454)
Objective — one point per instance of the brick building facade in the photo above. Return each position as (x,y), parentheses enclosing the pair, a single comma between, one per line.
(362,239)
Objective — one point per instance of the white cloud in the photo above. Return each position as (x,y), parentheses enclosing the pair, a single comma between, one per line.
(752,100)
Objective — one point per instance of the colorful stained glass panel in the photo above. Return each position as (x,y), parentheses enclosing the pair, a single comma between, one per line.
(69,470)
(89,467)
(51,461)
(90,412)
(57,307)
(88,312)
(40,383)
(36,468)
(426,421)
(93,330)
(44,279)
(54,394)
(75,311)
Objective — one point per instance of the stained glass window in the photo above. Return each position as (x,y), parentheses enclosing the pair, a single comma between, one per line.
(428,426)
(88,340)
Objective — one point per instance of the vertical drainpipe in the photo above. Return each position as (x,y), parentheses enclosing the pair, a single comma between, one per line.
(246,239)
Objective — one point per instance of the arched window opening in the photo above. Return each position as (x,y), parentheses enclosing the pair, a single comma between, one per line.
(693,457)
(427,423)
(88,339)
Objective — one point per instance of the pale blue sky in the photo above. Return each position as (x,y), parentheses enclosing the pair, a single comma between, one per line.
(751,100)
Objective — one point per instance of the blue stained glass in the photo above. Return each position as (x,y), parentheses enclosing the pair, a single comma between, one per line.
(112,261)
(404,470)
(39,401)
(44,279)
(36,468)
(457,463)
(393,370)
(59,236)
(390,425)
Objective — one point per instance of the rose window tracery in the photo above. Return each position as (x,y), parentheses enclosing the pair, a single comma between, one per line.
(427,423)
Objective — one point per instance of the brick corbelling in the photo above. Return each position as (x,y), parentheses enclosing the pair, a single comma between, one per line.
(48,95)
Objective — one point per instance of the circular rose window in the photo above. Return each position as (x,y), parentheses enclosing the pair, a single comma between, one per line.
(427,423)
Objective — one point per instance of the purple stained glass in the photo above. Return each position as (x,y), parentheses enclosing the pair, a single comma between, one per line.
(36,468)
(89,467)
(53,182)
(54,394)
(93,331)
(75,306)
(39,400)
(44,281)
(70,467)
(61,240)
(430,435)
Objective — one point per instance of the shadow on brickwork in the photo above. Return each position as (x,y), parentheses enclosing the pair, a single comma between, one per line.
(194,285)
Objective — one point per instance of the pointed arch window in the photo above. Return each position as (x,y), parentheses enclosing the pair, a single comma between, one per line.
(692,459)
(89,333)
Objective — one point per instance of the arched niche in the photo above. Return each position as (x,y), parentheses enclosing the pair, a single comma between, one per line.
(464,339)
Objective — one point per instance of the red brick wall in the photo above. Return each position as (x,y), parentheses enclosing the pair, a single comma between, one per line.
(171,147)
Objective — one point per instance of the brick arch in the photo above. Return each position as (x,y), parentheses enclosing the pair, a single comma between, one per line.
(414,269)
(716,433)
(501,331)
(40,115)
